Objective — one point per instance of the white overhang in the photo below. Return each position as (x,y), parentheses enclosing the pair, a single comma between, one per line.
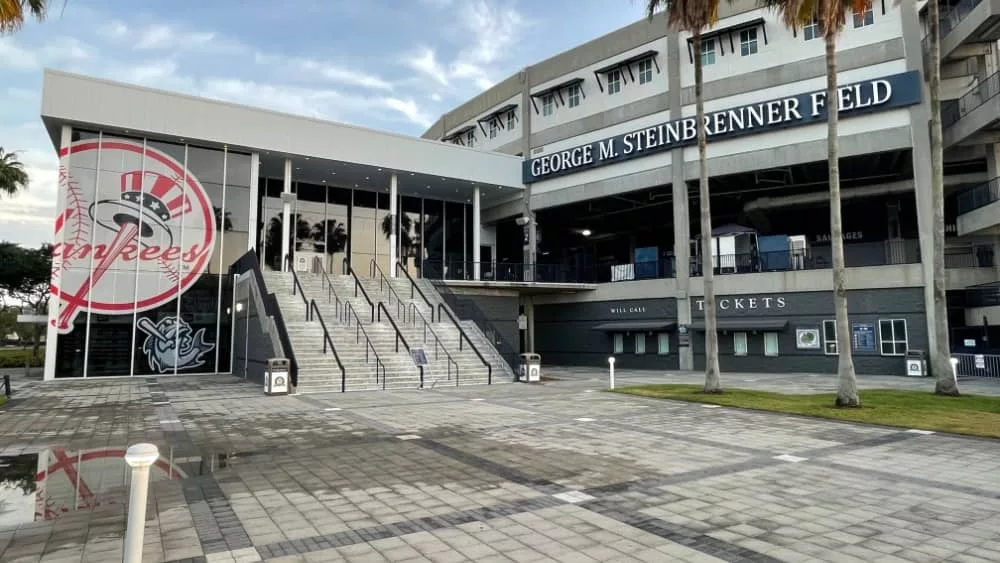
(83,101)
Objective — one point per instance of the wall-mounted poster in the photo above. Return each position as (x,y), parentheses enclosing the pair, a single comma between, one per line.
(807,338)
(863,337)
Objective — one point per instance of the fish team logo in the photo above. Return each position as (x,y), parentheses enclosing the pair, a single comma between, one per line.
(171,344)
(135,232)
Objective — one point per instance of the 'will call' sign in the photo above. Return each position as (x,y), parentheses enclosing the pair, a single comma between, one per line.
(881,94)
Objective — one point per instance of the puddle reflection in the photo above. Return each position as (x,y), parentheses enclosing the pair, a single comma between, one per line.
(55,482)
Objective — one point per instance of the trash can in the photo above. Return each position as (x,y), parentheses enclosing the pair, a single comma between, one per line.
(276,376)
(531,367)
(916,363)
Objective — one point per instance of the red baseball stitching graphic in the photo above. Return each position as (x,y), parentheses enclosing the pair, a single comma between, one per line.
(68,464)
(145,218)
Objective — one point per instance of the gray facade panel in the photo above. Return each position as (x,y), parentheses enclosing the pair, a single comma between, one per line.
(848,59)
(609,118)
(565,332)
(500,310)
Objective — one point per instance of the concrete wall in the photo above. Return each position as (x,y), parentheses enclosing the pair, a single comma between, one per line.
(500,308)
(565,334)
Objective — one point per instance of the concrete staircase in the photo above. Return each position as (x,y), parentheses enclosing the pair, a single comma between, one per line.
(359,339)
(319,372)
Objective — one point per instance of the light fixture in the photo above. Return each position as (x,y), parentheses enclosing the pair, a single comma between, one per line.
(585,232)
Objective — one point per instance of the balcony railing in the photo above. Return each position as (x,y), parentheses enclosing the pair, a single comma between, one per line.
(983,296)
(856,255)
(979,196)
(954,16)
(981,93)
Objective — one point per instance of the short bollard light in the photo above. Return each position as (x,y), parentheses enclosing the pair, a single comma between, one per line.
(139,457)
(954,368)
(611,371)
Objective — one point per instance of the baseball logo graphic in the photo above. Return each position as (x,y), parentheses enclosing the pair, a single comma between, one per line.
(137,230)
(171,344)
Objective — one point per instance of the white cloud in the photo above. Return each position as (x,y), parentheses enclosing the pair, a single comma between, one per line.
(329,71)
(58,51)
(494,30)
(164,37)
(409,109)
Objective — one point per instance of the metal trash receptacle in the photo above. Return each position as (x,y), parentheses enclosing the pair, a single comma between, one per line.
(276,376)
(531,367)
(916,363)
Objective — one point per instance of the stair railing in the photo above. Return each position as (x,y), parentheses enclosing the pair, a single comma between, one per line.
(489,330)
(414,288)
(297,285)
(327,341)
(359,330)
(427,328)
(463,336)
(374,268)
(399,337)
(250,262)
(331,295)
(357,286)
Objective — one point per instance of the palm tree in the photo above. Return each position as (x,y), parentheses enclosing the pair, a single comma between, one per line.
(940,361)
(693,16)
(13,13)
(13,178)
(831,15)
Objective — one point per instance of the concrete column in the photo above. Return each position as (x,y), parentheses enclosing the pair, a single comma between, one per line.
(139,457)
(477,228)
(529,252)
(393,212)
(992,160)
(286,214)
(682,218)
(51,335)
(920,116)
(529,313)
(255,230)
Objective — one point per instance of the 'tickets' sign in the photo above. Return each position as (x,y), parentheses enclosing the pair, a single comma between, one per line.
(744,303)
(890,92)
(135,233)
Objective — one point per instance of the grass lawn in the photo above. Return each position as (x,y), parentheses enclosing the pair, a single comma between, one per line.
(976,415)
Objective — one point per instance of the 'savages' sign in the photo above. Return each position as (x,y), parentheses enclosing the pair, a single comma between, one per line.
(891,92)
(135,230)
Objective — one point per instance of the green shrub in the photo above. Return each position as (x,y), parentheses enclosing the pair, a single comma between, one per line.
(14,357)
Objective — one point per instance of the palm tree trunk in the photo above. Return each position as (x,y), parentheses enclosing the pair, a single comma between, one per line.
(712,382)
(940,360)
(847,385)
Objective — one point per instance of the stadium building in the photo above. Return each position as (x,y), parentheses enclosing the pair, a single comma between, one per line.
(556,212)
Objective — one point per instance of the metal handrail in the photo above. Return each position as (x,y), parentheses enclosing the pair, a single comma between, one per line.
(978,196)
(357,285)
(461,335)
(348,308)
(399,336)
(374,267)
(437,339)
(330,292)
(503,349)
(328,341)
(415,287)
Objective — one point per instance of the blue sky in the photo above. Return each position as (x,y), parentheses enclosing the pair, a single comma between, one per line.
(388,64)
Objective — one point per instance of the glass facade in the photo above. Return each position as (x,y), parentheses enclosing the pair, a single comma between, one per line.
(144,237)
(335,224)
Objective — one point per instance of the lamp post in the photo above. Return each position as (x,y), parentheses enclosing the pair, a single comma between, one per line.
(139,457)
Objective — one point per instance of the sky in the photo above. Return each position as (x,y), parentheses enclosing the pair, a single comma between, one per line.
(395,65)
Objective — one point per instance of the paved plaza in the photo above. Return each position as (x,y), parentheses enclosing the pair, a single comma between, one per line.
(557,471)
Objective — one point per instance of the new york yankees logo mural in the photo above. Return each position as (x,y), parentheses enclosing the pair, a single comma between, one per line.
(149,223)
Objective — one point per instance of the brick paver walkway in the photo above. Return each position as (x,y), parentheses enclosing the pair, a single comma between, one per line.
(551,472)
